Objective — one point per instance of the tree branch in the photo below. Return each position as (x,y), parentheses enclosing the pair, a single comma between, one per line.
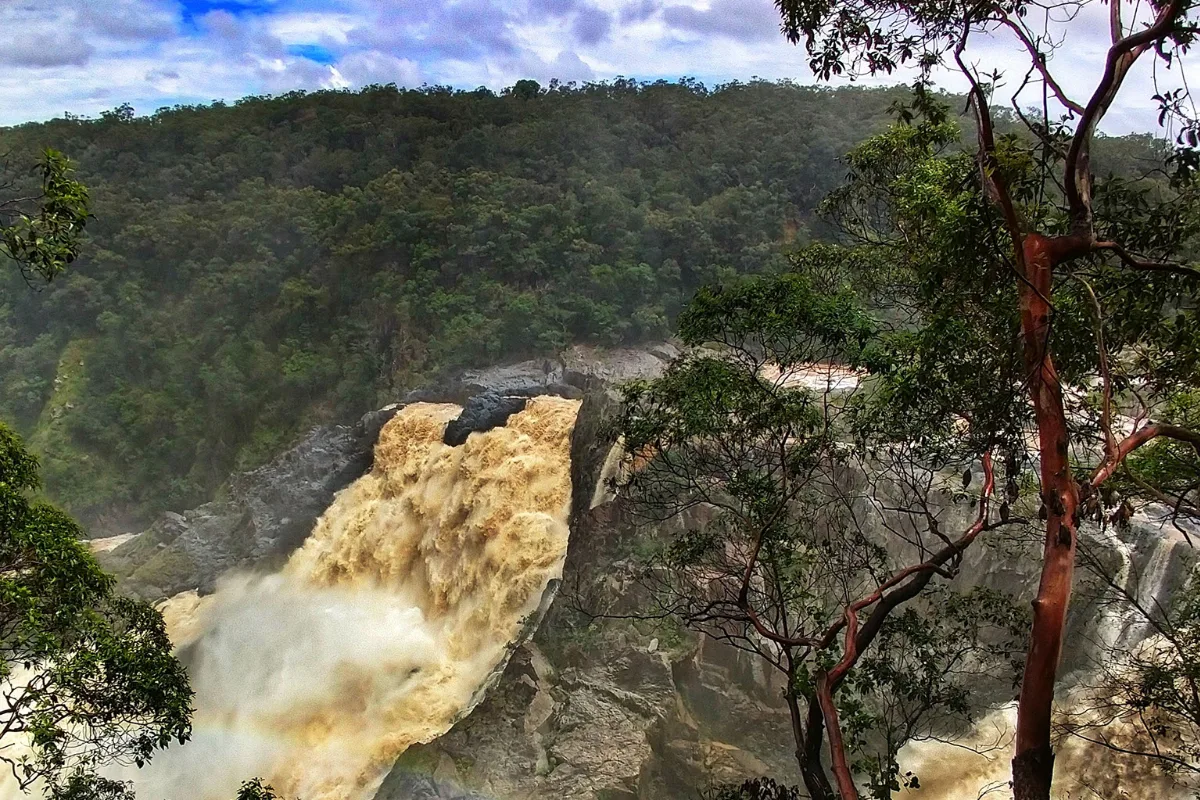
(1121,56)
(1131,261)
(989,166)
(1139,438)
(1110,441)
(1039,63)
(856,641)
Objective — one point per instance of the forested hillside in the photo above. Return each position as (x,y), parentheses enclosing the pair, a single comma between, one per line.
(259,267)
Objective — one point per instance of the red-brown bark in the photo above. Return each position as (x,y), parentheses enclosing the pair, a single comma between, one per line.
(1036,258)
(809,736)
(897,590)
(842,775)
(1033,759)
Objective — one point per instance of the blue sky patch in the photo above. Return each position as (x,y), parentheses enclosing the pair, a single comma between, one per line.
(198,8)
(313,52)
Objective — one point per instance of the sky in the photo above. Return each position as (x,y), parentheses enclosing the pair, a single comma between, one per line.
(87,56)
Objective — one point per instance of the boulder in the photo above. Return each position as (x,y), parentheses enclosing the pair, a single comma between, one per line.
(481,413)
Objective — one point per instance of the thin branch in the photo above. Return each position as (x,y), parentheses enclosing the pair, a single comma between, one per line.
(1139,438)
(1131,261)
(1121,56)
(1110,441)
(1039,63)
(987,148)
(856,640)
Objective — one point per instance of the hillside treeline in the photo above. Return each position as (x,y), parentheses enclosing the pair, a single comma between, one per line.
(259,267)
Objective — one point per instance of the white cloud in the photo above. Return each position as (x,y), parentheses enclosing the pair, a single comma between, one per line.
(85,56)
(311,27)
(35,37)
(130,20)
(363,68)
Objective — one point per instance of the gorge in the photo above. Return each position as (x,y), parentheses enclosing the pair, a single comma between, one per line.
(345,665)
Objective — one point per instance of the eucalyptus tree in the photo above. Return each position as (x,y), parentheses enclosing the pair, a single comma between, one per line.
(1026,270)
(776,529)
(255,789)
(87,676)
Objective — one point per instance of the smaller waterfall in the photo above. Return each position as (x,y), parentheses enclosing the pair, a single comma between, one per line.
(1146,578)
(1148,564)
(612,470)
(978,765)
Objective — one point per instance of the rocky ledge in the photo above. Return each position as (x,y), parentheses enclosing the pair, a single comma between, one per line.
(265,514)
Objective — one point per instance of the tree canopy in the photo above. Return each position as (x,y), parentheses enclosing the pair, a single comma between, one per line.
(782,525)
(1048,308)
(87,676)
(258,267)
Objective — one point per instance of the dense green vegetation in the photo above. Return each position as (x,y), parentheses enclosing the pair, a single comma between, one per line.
(87,675)
(259,267)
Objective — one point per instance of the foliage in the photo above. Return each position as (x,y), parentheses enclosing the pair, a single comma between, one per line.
(259,267)
(953,355)
(927,252)
(255,789)
(1170,469)
(87,675)
(755,482)
(81,785)
(44,240)
(755,789)
(255,268)
(923,674)
(1087,281)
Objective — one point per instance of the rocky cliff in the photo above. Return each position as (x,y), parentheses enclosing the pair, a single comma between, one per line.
(584,708)
(264,515)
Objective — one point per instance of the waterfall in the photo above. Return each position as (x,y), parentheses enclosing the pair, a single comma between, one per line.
(977,764)
(611,470)
(381,629)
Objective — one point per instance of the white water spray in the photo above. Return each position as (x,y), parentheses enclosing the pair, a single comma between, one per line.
(381,630)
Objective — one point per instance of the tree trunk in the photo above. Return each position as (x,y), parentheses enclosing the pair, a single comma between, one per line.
(837,748)
(808,736)
(1033,760)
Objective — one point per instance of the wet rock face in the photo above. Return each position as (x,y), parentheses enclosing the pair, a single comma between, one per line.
(608,711)
(481,413)
(268,512)
(404,785)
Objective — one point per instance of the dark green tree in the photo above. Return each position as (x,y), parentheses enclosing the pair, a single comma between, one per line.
(256,790)
(781,531)
(41,230)
(87,676)
(755,789)
(85,785)
(260,267)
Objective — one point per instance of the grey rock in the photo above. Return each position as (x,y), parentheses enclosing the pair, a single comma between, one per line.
(265,514)
(404,785)
(481,413)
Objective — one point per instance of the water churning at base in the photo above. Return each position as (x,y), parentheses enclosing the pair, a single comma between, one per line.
(381,629)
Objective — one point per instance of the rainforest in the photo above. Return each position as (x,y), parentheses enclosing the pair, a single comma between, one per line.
(833,436)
